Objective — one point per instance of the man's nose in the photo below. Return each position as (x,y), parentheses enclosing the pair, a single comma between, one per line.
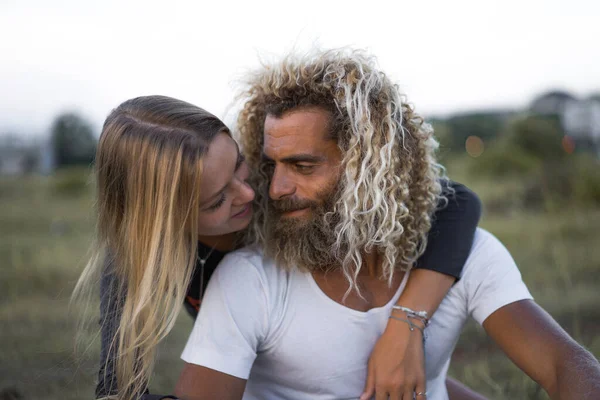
(281,185)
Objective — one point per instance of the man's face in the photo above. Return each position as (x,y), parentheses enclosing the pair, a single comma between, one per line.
(305,162)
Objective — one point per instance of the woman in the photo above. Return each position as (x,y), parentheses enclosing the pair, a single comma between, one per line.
(172,194)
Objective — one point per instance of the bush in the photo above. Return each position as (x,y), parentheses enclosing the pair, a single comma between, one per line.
(524,149)
(586,181)
(71,182)
(501,163)
(537,137)
(486,126)
(574,182)
(532,150)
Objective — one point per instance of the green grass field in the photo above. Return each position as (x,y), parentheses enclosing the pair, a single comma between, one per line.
(45,232)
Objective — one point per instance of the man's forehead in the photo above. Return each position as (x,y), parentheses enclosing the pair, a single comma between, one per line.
(310,121)
(306,128)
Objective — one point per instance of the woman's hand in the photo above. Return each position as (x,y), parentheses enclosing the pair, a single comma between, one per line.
(396,367)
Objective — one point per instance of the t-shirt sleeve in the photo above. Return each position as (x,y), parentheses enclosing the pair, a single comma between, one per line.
(451,236)
(491,278)
(232,321)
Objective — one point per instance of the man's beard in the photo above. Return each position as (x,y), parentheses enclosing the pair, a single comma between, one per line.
(306,242)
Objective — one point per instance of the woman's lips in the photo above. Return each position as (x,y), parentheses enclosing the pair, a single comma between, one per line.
(245,211)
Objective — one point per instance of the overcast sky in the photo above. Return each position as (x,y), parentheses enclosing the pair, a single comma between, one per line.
(448,56)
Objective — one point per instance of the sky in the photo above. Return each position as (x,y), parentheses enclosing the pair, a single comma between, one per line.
(447,56)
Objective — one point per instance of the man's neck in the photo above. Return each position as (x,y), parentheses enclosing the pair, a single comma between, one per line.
(374,292)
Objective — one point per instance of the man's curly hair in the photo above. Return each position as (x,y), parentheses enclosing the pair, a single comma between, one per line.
(390,184)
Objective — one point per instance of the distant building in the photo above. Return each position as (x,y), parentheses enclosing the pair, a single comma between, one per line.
(18,157)
(12,163)
(579,118)
(47,164)
(552,103)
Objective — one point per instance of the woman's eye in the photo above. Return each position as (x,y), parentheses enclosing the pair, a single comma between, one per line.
(218,204)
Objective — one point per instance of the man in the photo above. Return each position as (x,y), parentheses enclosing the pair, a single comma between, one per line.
(347,184)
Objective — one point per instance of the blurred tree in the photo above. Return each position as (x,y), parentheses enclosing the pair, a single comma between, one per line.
(441,132)
(484,125)
(532,149)
(537,137)
(443,136)
(73,140)
(528,145)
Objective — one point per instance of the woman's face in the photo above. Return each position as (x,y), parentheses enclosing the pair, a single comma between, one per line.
(225,198)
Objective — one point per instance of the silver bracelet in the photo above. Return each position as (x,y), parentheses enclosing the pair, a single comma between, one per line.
(420,315)
(410,324)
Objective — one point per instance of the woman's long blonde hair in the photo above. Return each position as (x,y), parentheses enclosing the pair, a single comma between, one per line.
(390,184)
(148,169)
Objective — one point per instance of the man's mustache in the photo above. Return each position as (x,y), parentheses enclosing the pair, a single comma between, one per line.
(289,205)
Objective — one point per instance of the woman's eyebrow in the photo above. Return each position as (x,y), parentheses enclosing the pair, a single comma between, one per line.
(240,159)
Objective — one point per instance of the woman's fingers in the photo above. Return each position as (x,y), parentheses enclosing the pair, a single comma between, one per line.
(393,389)
(395,395)
(407,390)
(369,390)
(381,395)
(421,389)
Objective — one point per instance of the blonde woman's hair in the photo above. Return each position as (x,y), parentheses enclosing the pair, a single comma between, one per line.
(390,180)
(148,168)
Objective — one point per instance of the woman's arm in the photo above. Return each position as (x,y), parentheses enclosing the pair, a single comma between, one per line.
(397,364)
(452,231)
(110,314)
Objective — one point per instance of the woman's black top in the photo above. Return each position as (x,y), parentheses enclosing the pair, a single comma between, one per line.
(448,246)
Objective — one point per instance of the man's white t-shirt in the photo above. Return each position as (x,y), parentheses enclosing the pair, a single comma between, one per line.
(278,330)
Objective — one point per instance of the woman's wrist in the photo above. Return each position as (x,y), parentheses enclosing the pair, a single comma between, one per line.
(413,324)
(400,330)
(425,290)
(414,318)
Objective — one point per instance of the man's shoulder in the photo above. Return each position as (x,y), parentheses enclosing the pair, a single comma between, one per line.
(485,244)
(489,259)
(491,278)
(247,274)
(249,263)
(487,252)
(251,254)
